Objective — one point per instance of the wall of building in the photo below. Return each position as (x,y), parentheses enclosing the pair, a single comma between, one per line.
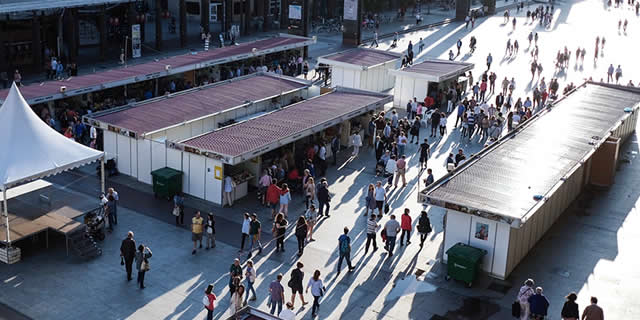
(465,228)
(406,88)
(522,240)
(377,79)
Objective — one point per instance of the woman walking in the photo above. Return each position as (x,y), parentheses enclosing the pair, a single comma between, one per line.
(370,200)
(317,290)
(301,233)
(415,130)
(251,275)
(525,292)
(285,197)
(280,227)
(296,283)
(209,298)
(311,217)
(309,191)
(424,227)
(237,301)
(142,263)
(211,231)
(570,308)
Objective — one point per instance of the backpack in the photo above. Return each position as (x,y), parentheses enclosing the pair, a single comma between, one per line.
(205,301)
(344,244)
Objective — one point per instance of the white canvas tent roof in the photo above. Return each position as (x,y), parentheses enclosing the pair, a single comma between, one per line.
(30,149)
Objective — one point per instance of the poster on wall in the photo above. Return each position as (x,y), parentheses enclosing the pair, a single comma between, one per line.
(295,12)
(136,41)
(351,10)
(482,231)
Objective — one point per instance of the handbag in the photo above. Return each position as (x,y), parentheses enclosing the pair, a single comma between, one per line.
(121,260)
(176,211)
(145,265)
(515,309)
(323,290)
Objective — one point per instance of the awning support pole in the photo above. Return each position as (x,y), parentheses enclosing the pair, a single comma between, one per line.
(102,174)
(6,216)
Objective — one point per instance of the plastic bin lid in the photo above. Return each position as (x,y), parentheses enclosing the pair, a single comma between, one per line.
(166,173)
(467,252)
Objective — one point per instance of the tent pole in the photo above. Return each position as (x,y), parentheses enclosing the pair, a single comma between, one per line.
(6,216)
(102,174)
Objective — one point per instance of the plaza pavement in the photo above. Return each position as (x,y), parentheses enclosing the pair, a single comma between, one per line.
(590,250)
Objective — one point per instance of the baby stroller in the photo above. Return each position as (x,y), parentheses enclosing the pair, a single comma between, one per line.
(95,223)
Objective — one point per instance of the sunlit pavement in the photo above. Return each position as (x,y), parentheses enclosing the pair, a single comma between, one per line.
(590,251)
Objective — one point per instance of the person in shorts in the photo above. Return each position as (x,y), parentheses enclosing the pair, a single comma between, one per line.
(196,231)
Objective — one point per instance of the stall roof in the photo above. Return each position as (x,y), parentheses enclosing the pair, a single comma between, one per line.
(359,58)
(435,70)
(251,138)
(51,90)
(503,179)
(11,6)
(167,111)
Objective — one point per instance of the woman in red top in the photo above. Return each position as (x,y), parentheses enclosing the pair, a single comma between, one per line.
(405,225)
(68,133)
(207,301)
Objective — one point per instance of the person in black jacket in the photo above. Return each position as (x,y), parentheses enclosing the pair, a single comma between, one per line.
(424,227)
(296,283)
(128,252)
(322,192)
(379,145)
(570,308)
(301,233)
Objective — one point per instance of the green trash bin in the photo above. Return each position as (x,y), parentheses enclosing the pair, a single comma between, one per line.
(464,263)
(166,182)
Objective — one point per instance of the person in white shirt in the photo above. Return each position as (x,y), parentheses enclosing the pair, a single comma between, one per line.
(245,230)
(287,313)
(317,290)
(391,169)
(380,195)
(356,141)
(93,136)
(228,189)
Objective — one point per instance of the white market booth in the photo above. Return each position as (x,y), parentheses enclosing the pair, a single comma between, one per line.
(31,150)
(362,68)
(506,197)
(136,135)
(423,78)
(208,158)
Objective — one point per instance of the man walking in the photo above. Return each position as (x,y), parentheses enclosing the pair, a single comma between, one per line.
(254,232)
(593,311)
(276,292)
(375,39)
(425,151)
(335,147)
(196,231)
(116,198)
(324,198)
(381,197)
(489,61)
(128,253)
(245,230)
(391,228)
(372,229)
(344,246)
(610,73)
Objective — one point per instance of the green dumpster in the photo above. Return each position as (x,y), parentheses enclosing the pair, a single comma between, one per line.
(166,182)
(464,262)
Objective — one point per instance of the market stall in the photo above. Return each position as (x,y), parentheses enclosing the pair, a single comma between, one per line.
(427,77)
(135,135)
(362,68)
(252,145)
(535,174)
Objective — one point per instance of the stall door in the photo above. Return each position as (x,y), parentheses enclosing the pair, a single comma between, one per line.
(124,154)
(213,178)
(196,176)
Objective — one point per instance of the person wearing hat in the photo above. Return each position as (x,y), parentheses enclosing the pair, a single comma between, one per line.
(524,293)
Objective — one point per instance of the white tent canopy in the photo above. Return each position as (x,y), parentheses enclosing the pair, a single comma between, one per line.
(30,149)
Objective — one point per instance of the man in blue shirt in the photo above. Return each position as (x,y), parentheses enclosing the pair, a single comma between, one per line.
(460,114)
(344,248)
